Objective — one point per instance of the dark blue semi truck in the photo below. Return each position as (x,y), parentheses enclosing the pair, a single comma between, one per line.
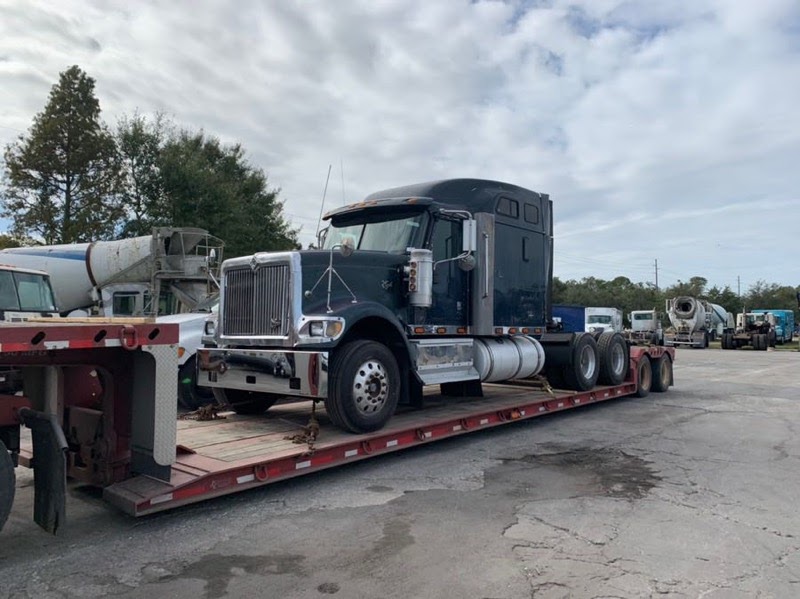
(444,283)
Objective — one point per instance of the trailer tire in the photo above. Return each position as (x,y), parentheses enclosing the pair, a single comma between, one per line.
(583,369)
(614,357)
(247,403)
(190,395)
(662,374)
(645,378)
(364,386)
(773,338)
(8,481)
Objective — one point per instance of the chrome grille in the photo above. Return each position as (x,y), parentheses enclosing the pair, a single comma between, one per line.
(257,302)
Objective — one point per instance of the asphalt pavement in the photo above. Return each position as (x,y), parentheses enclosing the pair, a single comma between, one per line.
(690,493)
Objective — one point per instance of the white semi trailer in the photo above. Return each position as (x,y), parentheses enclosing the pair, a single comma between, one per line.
(169,275)
(695,322)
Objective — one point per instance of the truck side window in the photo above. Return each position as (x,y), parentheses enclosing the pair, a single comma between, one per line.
(531,214)
(508,207)
(8,292)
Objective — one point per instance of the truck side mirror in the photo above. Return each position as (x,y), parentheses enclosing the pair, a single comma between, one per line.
(469,237)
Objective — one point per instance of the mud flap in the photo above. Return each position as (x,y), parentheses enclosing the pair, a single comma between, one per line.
(49,469)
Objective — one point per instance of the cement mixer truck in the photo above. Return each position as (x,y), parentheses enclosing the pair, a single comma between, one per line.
(169,275)
(695,322)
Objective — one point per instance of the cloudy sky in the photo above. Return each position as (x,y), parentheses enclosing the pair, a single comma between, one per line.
(665,131)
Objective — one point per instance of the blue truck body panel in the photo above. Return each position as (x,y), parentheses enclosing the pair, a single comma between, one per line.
(784,323)
(573,318)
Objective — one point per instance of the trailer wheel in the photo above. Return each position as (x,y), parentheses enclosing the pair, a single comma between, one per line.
(582,371)
(190,395)
(645,378)
(364,386)
(614,355)
(245,402)
(662,374)
(8,481)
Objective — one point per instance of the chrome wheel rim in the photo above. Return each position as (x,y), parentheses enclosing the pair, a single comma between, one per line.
(370,387)
(588,362)
(617,359)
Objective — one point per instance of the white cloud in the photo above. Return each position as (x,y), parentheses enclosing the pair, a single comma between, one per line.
(661,130)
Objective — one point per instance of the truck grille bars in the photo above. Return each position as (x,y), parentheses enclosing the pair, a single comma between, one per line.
(257,301)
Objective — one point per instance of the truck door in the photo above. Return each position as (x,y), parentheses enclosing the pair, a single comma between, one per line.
(450,283)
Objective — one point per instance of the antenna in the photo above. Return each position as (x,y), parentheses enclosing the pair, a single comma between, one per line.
(324,193)
(341,168)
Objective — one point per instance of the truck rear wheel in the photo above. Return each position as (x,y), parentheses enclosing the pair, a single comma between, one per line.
(582,371)
(662,374)
(245,402)
(613,352)
(8,481)
(364,386)
(645,378)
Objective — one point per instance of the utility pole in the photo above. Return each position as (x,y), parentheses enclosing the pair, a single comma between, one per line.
(738,287)
(656,263)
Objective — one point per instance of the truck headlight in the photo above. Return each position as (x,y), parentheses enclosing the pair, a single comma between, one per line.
(324,328)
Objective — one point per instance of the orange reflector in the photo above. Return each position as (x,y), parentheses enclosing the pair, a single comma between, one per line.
(512,330)
(525,330)
(418,330)
(537,331)
(498,331)
(461,331)
(441,330)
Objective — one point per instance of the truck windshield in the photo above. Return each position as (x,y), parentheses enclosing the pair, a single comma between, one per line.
(646,316)
(392,236)
(25,292)
(599,319)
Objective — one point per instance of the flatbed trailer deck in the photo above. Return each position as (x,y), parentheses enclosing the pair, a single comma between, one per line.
(223,456)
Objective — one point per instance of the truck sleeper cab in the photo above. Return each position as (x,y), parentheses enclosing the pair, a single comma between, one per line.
(442,283)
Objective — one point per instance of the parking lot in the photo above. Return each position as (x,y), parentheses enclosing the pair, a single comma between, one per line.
(685,494)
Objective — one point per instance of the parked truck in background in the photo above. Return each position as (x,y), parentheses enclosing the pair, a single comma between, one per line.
(784,324)
(754,329)
(589,319)
(169,275)
(445,283)
(645,327)
(695,322)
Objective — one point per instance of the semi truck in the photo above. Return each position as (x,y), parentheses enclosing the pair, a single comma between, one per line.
(128,440)
(784,324)
(169,275)
(445,283)
(754,329)
(645,327)
(695,322)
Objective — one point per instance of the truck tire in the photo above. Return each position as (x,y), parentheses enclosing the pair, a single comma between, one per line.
(190,395)
(8,481)
(247,403)
(773,339)
(583,369)
(662,374)
(364,386)
(614,354)
(645,378)
(727,341)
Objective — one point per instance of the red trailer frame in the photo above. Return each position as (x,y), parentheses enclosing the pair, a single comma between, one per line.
(224,456)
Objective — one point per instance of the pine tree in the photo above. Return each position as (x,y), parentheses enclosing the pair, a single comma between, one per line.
(62,178)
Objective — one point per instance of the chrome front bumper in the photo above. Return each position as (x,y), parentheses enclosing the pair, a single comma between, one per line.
(302,373)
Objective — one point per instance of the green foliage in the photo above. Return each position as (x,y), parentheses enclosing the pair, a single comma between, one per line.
(140,143)
(209,185)
(62,177)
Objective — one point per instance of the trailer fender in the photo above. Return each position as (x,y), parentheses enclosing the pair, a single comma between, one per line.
(49,467)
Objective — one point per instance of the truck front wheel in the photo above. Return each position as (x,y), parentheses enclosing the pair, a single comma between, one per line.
(8,481)
(364,386)
(245,402)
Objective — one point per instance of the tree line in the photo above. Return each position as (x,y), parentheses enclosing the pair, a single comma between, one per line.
(622,293)
(73,179)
